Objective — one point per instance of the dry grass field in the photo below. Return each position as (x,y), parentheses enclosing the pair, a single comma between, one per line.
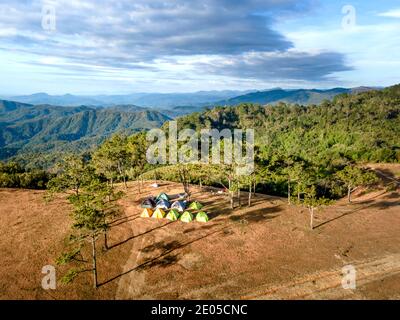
(263,252)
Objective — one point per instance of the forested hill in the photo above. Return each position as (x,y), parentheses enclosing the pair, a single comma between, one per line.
(31,129)
(359,127)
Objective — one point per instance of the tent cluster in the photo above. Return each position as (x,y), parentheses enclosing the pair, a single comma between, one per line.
(160,207)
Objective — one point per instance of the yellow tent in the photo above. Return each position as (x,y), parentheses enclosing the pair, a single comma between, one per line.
(159,214)
(147,213)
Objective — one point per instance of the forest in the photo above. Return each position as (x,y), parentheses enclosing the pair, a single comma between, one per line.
(312,155)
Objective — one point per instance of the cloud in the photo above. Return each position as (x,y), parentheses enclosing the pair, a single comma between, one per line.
(395,13)
(132,35)
(291,65)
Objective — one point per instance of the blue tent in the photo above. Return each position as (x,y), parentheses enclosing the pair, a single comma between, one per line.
(163,204)
(148,203)
(179,205)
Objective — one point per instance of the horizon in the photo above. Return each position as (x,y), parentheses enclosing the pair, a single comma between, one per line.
(61,47)
(241,92)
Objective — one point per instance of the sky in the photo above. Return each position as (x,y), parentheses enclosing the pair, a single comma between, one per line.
(122,46)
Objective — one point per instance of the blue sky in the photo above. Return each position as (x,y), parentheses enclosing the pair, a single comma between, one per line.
(125,46)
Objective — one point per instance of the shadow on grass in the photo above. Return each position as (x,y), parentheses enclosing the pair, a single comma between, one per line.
(139,235)
(124,220)
(165,258)
(257,215)
(370,204)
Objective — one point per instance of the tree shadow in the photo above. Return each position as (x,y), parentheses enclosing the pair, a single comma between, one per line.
(257,215)
(387,175)
(164,257)
(207,227)
(113,224)
(139,235)
(382,205)
(370,205)
(393,195)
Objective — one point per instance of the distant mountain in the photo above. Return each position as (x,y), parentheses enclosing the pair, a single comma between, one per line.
(26,128)
(301,96)
(149,100)
(63,100)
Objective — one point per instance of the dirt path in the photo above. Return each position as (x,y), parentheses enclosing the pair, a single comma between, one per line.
(327,284)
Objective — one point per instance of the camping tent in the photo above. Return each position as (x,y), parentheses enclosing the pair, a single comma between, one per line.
(179,205)
(148,203)
(162,196)
(202,217)
(173,215)
(158,214)
(163,204)
(195,205)
(187,217)
(147,213)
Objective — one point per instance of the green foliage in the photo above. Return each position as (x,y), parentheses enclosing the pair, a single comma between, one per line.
(353,176)
(37,132)
(68,257)
(70,276)
(73,172)
(13,175)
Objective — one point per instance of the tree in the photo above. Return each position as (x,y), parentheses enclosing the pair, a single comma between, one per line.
(184,177)
(92,211)
(137,146)
(312,202)
(112,159)
(73,172)
(354,177)
(294,172)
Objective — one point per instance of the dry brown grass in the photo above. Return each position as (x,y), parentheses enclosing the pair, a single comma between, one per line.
(255,252)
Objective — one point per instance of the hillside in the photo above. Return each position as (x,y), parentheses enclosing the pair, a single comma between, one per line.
(156,100)
(360,127)
(301,96)
(29,129)
(157,259)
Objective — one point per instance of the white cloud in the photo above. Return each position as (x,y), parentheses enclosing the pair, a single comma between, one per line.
(395,13)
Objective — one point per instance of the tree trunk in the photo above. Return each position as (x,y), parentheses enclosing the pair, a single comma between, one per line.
(94,262)
(289,192)
(349,193)
(250,194)
(230,193)
(254,188)
(124,178)
(105,240)
(312,218)
(238,196)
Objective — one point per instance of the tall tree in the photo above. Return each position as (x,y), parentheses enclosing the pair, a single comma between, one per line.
(354,177)
(312,202)
(72,173)
(91,214)
(113,158)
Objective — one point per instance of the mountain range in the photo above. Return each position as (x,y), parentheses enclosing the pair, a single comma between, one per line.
(78,123)
(177,104)
(42,128)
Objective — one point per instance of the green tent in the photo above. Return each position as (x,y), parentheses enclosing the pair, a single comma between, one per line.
(202,217)
(162,196)
(187,217)
(173,215)
(195,205)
